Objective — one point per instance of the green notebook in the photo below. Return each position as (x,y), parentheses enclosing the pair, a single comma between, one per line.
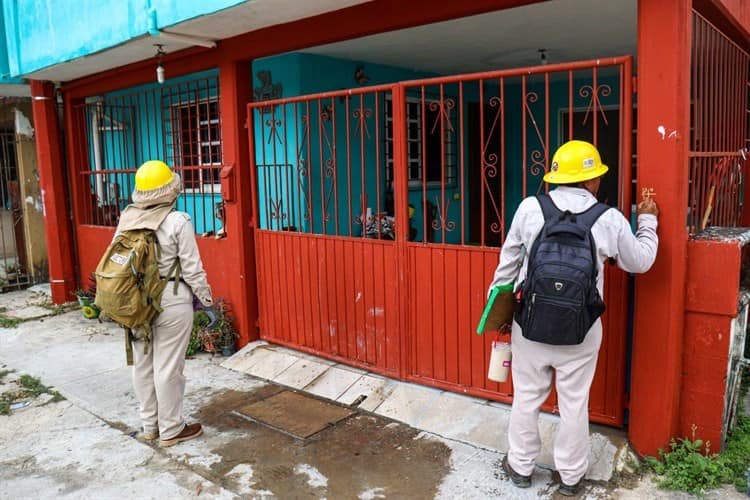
(498,311)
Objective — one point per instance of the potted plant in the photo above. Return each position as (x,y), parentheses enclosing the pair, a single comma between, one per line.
(205,336)
(227,334)
(85,297)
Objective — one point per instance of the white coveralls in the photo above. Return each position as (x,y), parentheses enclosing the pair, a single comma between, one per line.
(534,362)
(158,378)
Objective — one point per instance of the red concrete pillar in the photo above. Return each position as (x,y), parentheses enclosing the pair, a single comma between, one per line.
(58,227)
(663,101)
(235,83)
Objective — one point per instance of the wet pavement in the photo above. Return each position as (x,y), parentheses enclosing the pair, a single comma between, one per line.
(89,445)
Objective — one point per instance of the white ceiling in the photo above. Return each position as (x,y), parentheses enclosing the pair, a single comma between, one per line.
(248,16)
(569,29)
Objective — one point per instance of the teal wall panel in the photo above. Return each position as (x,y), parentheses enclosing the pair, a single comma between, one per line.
(42,33)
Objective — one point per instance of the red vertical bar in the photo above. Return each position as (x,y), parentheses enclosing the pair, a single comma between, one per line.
(443,205)
(570,105)
(401,192)
(349,171)
(322,166)
(626,138)
(482,170)
(546,130)
(461,158)
(377,156)
(422,161)
(58,229)
(362,161)
(308,141)
(523,135)
(594,102)
(502,160)
(664,31)
(335,167)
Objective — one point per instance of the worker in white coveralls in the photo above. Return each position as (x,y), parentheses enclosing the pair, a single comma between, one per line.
(158,377)
(576,169)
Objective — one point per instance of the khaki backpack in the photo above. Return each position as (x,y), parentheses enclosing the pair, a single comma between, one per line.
(128,285)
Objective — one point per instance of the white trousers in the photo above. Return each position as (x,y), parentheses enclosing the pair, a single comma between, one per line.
(533,366)
(158,378)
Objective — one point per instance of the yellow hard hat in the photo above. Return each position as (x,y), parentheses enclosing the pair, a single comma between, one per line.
(575,161)
(153,174)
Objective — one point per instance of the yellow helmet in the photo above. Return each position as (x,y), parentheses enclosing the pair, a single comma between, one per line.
(153,174)
(575,161)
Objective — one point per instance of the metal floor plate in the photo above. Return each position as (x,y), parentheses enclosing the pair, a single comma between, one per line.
(295,414)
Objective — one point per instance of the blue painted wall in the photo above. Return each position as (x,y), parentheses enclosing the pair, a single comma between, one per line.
(41,33)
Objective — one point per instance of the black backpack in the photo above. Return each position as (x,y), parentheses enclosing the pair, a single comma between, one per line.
(560,301)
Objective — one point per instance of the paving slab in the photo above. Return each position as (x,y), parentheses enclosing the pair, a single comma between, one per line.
(373,388)
(301,373)
(333,383)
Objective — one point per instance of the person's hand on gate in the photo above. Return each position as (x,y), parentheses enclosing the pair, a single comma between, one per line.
(648,206)
(211,313)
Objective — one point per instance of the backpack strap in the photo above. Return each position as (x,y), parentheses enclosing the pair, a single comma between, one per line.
(589,217)
(549,209)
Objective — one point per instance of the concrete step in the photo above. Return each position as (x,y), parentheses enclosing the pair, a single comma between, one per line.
(457,417)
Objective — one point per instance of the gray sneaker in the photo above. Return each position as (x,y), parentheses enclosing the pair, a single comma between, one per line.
(570,491)
(520,481)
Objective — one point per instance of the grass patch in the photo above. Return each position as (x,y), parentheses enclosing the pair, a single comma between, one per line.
(5,373)
(29,388)
(6,322)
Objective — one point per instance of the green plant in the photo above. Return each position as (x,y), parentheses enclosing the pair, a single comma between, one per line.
(194,344)
(4,373)
(685,468)
(7,322)
(736,455)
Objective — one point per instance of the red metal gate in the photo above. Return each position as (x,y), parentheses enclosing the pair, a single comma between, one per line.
(380,210)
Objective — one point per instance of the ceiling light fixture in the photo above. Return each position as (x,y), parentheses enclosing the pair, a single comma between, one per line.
(543,56)
(160,67)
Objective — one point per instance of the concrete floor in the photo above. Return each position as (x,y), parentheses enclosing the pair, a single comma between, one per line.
(88,446)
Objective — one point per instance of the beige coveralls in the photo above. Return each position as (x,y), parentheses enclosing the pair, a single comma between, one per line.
(158,377)
(534,362)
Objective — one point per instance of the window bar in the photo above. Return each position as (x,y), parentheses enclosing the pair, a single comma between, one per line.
(321,166)
(363,174)
(594,102)
(288,176)
(347,109)
(377,160)
(523,135)
(502,160)
(461,159)
(422,122)
(335,166)
(484,184)
(265,170)
(443,206)
(296,169)
(277,171)
(570,105)
(308,141)
(546,132)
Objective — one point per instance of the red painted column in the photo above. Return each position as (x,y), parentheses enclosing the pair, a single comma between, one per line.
(663,100)
(58,227)
(235,83)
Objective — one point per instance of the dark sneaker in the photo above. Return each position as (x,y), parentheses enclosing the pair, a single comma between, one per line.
(519,480)
(570,491)
(191,431)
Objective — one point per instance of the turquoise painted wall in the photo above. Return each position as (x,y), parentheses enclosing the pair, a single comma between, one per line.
(4,64)
(133,132)
(42,33)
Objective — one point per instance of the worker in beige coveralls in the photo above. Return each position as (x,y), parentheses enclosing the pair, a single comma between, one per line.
(577,169)
(158,377)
